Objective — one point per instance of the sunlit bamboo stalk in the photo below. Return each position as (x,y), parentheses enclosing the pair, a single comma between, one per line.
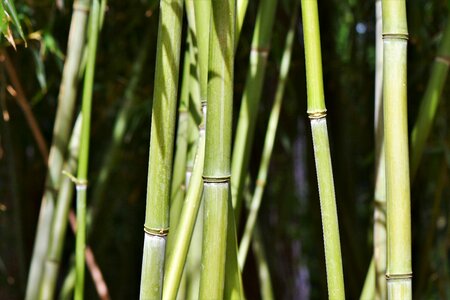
(216,174)
(82,174)
(395,37)
(317,115)
(156,225)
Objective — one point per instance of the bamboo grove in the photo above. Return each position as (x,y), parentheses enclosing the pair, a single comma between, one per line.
(224,149)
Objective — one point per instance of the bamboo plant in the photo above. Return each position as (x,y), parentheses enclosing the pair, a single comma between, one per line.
(59,226)
(379,250)
(250,99)
(216,174)
(81,181)
(156,225)
(61,132)
(268,142)
(395,37)
(317,115)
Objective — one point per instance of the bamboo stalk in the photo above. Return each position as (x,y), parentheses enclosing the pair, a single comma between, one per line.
(59,225)
(379,229)
(61,131)
(430,101)
(161,148)
(82,174)
(250,99)
(265,282)
(395,35)
(317,115)
(216,174)
(268,142)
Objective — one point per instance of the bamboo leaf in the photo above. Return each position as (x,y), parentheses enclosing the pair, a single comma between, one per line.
(11,10)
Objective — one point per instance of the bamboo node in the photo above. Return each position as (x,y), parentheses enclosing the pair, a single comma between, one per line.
(317,114)
(80,7)
(216,179)
(81,184)
(162,232)
(260,183)
(443,59)
(263,51)
(393,277)
(395,36)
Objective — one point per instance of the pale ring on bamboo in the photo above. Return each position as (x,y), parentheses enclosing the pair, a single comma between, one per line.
(263,51)
(443,59)
(216,179)
(260,183)
(395,36)
(317,114)
(80,7)
(157,231)
(393,277)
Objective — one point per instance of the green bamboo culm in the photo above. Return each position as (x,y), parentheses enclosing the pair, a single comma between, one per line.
(81,181)
(156,225)
(269,141)
(59,226)
(61,132)
(216,174)
(430,101)
(379,229)
(317,115)
(395,38)
(250,99)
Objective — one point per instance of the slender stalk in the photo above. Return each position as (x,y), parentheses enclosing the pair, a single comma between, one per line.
(395,36)
(216,174)
(250,99)
(268,142)
(19,94)
(430,101)
(81,182)
(176,260)
(368,290)
(161,148)
(379,229)
(241,11)
(317,115)
(59,225)
(202,25)
(61,131)
(265,282)
(178,188)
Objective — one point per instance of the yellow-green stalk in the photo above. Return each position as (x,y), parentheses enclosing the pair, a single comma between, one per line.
(81,182)
(216,174)
(268,143)
(59,226)
(61,132)
(317,115)
(379,229)
(250,99)
(395,40)
(156,225)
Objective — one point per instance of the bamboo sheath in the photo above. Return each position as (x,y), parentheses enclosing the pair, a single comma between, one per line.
(61,132)
(250,99)
(161,148)
(317,115)
(395,35)
(216,173)
(268,142)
